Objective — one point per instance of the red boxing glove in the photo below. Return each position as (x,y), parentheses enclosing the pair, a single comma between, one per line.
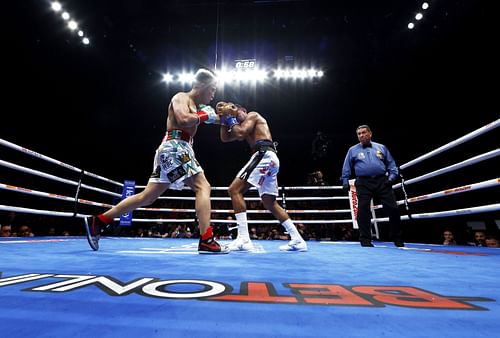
(206,114)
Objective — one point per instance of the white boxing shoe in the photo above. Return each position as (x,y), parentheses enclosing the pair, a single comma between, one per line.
(240,244)
(294,245)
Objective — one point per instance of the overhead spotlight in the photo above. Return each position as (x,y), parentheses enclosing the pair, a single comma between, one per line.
(168,77)
(225,76)
(72,25)
(297,73)
(411,25)
(279,73)
(186,77)
(230,77)
(56,6)
(425,5)
(419,16)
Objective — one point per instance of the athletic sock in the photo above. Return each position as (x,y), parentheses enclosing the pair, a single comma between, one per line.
(104,219)
(291,229)
(241,220)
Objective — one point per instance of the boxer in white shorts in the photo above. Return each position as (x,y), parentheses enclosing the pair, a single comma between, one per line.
(261,172)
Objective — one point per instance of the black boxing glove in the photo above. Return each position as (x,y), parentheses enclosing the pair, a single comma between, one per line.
(346,188)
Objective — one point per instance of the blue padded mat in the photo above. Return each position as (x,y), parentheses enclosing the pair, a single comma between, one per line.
(58,287)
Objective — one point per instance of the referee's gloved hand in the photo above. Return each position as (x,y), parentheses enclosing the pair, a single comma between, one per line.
(346,188)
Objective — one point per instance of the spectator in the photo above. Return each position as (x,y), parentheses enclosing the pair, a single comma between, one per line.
(492,242)
(345,232)
(253,233)
(316,178)
(6,230)
(449,239)
(179,232)
(479,238)
(25,231)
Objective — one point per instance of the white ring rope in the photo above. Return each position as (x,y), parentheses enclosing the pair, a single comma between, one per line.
(50,195)
(257,211)
(51,160)
(306,187)
(458,190)
(192,198)
(314,187)
(447,213)
(455,143)
(54,178)
(448,192)
(465,163)
(40,212)
(274,221)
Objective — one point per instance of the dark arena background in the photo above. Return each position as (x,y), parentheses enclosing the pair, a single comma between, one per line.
(86,89)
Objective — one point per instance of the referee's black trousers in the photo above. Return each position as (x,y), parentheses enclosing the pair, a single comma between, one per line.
(368,188)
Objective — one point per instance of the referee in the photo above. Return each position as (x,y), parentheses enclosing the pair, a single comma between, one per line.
(375,171)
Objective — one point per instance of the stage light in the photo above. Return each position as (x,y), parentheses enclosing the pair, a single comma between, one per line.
(225,76)
(242,76)
(419,16)
(56,6)
(168,77)
(186,77)
(72,25)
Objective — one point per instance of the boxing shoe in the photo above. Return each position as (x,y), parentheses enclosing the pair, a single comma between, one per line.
(208,245)
(399,243)
(240,244)
(366,243)
(93,226)
(294,245)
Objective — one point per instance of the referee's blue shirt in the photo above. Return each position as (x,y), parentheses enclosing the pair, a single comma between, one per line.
(370,160)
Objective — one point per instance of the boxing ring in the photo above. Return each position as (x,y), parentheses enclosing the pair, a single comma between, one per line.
(56,286)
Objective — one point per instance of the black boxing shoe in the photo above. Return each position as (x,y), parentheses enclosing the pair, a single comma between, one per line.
(366,243)
(93,226)
(399,243)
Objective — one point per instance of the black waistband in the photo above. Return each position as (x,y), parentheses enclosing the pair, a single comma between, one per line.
(263,145)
